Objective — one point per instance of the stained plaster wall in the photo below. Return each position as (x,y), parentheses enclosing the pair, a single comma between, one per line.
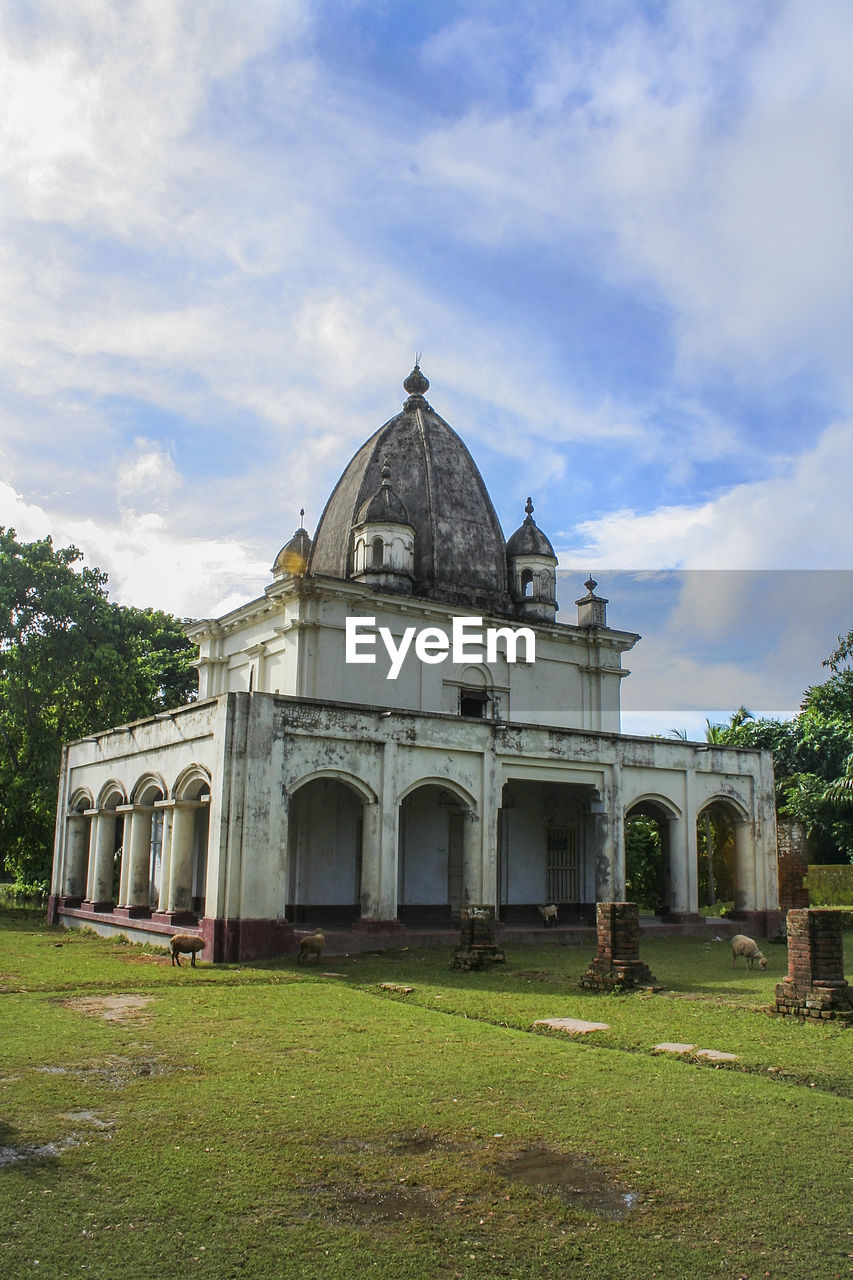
(293,642)
(260,749)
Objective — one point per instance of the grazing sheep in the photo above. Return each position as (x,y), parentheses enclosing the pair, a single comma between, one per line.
(188,943)
(747,947)
(315,942)
(549,915)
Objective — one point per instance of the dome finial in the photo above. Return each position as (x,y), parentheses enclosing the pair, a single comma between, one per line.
(528,507)
(416,384)
(301,517)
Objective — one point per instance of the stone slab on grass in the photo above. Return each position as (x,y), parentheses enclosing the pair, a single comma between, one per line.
(673,1046)
(716,1055)
(574,1026)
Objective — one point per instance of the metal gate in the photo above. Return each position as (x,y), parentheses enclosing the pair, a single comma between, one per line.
(562,870)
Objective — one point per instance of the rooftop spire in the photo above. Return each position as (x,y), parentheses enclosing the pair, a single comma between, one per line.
(416,385)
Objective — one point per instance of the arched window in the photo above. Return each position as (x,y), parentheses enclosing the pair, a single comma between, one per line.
(377,548)
(527,582)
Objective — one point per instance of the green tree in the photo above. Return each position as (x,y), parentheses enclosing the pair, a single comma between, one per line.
(812,757)
(71,663)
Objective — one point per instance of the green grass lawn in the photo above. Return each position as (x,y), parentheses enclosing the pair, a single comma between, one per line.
(270,1121)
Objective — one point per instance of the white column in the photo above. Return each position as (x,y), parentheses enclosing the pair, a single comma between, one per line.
(745,888)
(140,856)
(472,859)
(166,857)
(104,838)
(389,835)
(76,846)
(679,877)
(376,902)
(181,861)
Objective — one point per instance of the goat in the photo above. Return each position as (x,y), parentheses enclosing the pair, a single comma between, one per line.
(315,942)
(188,943)
(549,915)
(747,947)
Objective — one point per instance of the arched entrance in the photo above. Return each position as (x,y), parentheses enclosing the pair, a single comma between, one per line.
(325,840)
(545,844)
(726,878)
(105,845)
(648,855)
(431,855)
(78,837)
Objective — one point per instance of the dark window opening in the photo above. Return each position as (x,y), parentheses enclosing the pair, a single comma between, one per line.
(472,702)
(377,551)
(527,582)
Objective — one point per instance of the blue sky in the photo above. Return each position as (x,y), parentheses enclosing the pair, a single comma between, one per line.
(618,232)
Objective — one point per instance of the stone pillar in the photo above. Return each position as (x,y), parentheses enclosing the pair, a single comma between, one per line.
(815,986)
(104,843)
(166,858)
(139,846)
(679,884)
(181,858)
(617,962)
(472,858)
(76,851)
(378,874)
(745,896)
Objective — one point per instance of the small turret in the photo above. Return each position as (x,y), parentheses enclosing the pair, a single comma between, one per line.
(383,546)
(532,570)
(293,557)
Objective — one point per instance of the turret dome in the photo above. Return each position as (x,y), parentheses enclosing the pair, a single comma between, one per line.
(293,557)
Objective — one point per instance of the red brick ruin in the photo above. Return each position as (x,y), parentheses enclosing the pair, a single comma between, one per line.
(793,858)
(617,963)
(477,942)
(815,986)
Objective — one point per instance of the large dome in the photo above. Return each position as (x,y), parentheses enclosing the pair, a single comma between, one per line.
(460,553)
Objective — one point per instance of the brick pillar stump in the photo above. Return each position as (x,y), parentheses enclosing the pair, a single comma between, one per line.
(618,963)
(477,942)
(815,986)
(792,851)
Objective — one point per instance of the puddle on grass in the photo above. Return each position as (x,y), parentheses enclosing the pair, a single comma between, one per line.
(418,1143)
(576,1179)
(48,1151)
(389,1206)
(119,1071)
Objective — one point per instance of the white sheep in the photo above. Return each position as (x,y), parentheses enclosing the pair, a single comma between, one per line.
(315,942)
(549,915)
(188,943)
(747,947)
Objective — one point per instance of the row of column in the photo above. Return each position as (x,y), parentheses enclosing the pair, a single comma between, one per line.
(90,850)
(681,852)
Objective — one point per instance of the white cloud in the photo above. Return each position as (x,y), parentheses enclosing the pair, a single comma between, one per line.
(798,518)
(147,562)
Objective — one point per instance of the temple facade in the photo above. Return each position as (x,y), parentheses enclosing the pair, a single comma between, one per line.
(402,724)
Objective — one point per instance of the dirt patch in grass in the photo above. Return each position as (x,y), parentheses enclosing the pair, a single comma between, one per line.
(113,1008)
(576,1179)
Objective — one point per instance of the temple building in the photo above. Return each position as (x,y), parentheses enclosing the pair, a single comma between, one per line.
(402,724)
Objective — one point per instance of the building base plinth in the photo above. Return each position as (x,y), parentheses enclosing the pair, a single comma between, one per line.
(233,941)
(366,924)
